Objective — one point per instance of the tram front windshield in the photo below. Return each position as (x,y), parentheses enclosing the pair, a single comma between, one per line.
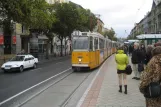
(80,43)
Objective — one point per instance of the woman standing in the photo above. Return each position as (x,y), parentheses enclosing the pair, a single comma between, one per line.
(152,73)
(122,61)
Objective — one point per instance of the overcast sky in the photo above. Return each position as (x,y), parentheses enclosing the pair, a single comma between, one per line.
(119,14)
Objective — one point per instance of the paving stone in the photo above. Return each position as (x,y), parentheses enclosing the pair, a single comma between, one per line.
(109,95)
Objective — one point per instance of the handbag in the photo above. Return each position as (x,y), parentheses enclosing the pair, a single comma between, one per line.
(128,69)
(153,90)
(140,67)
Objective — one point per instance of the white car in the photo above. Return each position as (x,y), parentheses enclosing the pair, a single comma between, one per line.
(20,62)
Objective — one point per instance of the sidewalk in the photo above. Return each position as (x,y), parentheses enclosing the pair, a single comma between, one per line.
(104,90)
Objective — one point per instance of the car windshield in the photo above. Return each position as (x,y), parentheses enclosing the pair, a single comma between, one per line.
(80,43)
(18,58)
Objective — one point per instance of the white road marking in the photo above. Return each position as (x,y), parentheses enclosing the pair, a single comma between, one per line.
(89,87)
(33,87)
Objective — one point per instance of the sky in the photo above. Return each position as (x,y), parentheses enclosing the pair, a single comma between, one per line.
(118,14)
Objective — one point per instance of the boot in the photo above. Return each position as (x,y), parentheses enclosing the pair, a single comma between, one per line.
(120,89)
(125,89)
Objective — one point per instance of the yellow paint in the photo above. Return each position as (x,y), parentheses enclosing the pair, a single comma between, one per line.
(92,58)
(84,56)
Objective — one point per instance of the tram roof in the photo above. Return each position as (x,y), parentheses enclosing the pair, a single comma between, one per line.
(94,34)
(114,42)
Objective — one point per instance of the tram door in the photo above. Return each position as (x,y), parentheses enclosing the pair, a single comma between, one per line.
(96,50)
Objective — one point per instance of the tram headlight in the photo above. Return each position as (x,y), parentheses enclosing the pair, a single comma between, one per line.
(80,60)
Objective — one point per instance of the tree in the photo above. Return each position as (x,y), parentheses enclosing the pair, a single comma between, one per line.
(83,20)
(67,19)
(11,11)
(86,19)
(92,20)
(32,13)
(41,16)
(111,34)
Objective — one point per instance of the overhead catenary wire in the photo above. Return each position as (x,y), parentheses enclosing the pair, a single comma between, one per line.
(138,10)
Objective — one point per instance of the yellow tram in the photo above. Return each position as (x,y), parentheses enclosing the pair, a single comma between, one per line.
(89,50)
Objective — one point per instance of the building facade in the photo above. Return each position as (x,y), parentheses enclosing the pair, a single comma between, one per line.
(151,23)
(100,26)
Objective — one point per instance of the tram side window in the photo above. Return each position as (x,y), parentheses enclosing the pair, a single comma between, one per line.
(96,43)
(91,44)
(107,45)
(101,44)
(105,42)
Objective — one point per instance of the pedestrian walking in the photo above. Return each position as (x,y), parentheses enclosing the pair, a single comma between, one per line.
(136,59)
(152,73)
(122,60)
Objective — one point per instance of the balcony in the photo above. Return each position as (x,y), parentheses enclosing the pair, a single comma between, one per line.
(158,10)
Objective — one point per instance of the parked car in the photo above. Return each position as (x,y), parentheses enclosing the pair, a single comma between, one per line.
(19,63)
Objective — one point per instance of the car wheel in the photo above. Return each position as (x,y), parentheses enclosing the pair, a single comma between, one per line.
(34,66)
(21,68)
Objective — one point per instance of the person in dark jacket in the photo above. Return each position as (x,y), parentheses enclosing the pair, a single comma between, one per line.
(136,59)
(148,55)
(152,73)
(143,53)
(130,49)
(125,48)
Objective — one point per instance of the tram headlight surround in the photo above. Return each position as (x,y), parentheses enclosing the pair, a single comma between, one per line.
(80,60)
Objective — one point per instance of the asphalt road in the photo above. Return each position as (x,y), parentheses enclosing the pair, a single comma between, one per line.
(15,82)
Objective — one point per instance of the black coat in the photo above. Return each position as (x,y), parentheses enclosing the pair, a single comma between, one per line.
(148,57)
(143,54)
(130,49)
(125,50)
(137,57)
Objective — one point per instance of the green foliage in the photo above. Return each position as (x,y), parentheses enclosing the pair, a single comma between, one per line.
(32,13)
(37,14)
(72,17)
(41,17)
(66,16)
(110,34)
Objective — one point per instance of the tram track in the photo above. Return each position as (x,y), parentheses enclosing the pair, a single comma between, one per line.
(65,102)
(70,96)
(22,98)
(28,94)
